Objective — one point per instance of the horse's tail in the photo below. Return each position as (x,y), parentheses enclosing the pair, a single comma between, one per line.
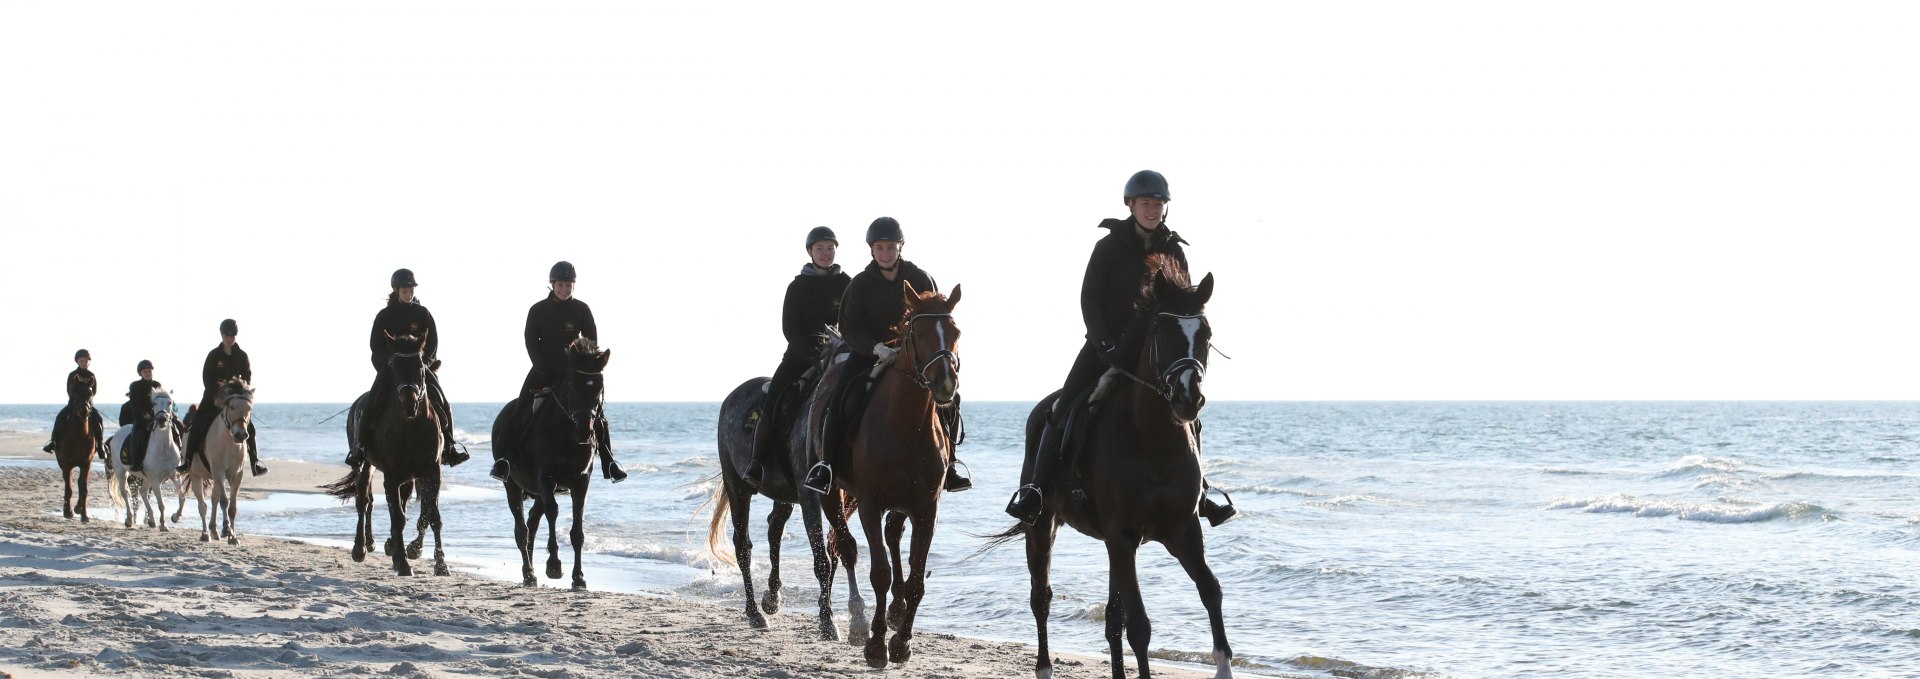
(114,492)
(994,541)
(722,506)
(349,486)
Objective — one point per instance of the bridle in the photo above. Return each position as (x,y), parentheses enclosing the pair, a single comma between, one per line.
(573,410)
(944,353)
(1165,388)
(419,389)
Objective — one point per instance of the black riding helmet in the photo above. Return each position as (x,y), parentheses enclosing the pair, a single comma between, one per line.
(82,354)
(1148,183)
(562,271)
(403,278)
(144,365)
(228,327)
(820,233)
(885,228)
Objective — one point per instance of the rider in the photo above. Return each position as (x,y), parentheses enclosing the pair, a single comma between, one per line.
(224,363)
(874,302)
(812,304)
(138,413)
(1107,292)
(405,315)
(81,386)
(553,324)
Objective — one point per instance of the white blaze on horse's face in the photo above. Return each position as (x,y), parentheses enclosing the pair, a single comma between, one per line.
(1190,327)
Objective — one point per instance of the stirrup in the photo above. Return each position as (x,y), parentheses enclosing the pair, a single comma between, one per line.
(1214,512)
(455,454)
(1029,511)
(501,470)
(955,481)
(259,469)
(820,478)
(610,470)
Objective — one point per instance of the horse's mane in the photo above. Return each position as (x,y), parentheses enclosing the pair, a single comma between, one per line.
(583,345)
(929,302)
(404,341)
(1149,300)
(235,386)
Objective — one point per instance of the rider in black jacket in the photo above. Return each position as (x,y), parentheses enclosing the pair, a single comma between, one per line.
(81,387)
(553,324)
(405,315)
(874,302)
(1107,292)
(225,362)
(138,413)
(811,305)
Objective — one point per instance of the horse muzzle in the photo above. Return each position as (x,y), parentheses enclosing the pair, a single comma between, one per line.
(1184,395)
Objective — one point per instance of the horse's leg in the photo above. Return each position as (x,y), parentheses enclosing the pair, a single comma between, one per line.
(219,494)
(823,563)
(396,525)
(232,498)
(897,608)
(200,492)
(579,532)
(430,516)
(1189,546)
(415,547)
(150,492)
(916,584)
(521,540)
(1123,604)
(849,552)
(879,572)
(738,502)
(550,507)
(776,529)
(80,497)
(66,500)
(1040,537)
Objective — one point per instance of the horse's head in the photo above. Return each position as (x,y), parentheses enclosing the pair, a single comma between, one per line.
(407,368)
(581,394)
(1173,336)
(162,410)
(236,407)
(930,342)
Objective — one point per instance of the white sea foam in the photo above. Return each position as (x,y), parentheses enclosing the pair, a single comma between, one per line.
(1720,512)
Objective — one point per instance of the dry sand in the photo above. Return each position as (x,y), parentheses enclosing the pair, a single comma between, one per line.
(98,598)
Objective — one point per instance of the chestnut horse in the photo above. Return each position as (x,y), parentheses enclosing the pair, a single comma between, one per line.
(896,467)
(75,450)
(550,451)
(406,450)
(779,483)
(1138,463)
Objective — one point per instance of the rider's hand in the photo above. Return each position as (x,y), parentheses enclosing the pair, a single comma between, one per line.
(884,353)
(434,366)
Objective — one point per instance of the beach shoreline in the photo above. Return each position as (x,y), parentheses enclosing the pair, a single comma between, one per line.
(100,598)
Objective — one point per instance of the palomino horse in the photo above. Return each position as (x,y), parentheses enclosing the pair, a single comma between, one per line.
(157,462)
(225,459)
(896,468)
(406,449)
(550,451)
(1139,466)
(781,485)
(75,450)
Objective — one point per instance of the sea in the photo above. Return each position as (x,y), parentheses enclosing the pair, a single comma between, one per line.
(1376,539)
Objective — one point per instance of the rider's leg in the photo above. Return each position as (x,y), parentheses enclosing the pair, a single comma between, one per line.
(609,468)
(453,455)
(376,402)
(766,430)
(950,419)
(1214,512)
(1028,500)
(197,435)
(840,379)
(253,451)
(59,427)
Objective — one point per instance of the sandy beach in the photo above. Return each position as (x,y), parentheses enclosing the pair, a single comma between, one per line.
(98,598)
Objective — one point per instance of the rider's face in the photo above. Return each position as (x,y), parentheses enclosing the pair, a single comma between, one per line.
(563,289)
(886,253)
(406,295)
(1148,211)
(822,253)
(146,374)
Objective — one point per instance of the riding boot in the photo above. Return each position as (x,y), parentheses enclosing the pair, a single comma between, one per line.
(186,463)
(762,432)
(253,452)
(357,454)
(453,456)
(501,469)
(956,481)
(1028,500)
(1214,512)
(609,469)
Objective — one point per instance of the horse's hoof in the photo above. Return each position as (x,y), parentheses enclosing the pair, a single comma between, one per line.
(771,602)
(828,632)
(413,551)
(403,570)
(440,568)
(553,571)
(856,635)
(579,585)
(206,538)
(530,581)
(359,555)
(876,654)
(898,650)
(163,527)
(231,540)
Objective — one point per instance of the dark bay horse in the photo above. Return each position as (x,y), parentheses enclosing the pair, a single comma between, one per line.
(781,485)
(78,443)
(1139,465)
(406,449)
(896,467)
(549,443)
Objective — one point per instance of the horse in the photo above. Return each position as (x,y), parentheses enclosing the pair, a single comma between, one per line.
(225,459)
(157,462)
(779,483)
(549,443)
(895,469)
(75,449)
(406,450)
(1139,467)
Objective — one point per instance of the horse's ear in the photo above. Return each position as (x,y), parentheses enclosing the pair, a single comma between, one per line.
(1160,285)
(911,294)
(954,299)
(605,355)
(423,338)
(1205,290)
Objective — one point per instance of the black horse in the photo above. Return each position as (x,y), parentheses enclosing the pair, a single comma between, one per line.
(1139,467)
(549,445)
(781,484)
(406,449)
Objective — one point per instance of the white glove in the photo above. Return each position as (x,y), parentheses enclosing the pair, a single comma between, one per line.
(1108,380)
(884,353)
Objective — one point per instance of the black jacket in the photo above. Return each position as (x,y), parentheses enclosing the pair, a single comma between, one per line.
(221,367)
(872,304)
(552,324)
(402,319)
(81,386)
(1115,274)
(812,304)
(139,406)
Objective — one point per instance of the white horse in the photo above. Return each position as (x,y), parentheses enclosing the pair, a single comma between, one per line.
(225,459)
(159,459)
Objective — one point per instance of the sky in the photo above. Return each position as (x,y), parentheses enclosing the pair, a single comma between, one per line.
(1398,200)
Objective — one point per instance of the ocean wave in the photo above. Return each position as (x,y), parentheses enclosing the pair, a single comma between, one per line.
(1342,501)
(1701,464)
(655,551)
(1354,670)
(1848,478)
(1266,489)
(1570,471)
(1206,658)
(1726,511)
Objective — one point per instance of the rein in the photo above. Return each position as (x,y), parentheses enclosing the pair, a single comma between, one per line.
(1165,389)
(919,375)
